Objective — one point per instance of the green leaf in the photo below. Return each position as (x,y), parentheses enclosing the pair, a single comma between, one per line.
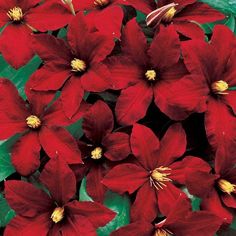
(76,129)
(195,201)
(19,77)
(6,213)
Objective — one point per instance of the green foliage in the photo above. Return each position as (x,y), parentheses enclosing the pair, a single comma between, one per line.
(6,213)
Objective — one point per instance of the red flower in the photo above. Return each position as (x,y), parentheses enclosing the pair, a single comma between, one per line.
(40,127)
(217,189)
(102,146)
(154,172)
(184,15)
(144,71)
(56,213)
(21,17)
(208,88)
(179,221)
(76,66)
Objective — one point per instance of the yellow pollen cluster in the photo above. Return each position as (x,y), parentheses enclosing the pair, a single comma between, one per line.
(96,153)
(58,214)
(162,232)
(78,65)
(15,14)
(226,187)
(160,175)
(169,15)
(219,87)
(33,122)
(101,3)
(151,75)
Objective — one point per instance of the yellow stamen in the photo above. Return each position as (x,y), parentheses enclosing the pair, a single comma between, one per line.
(101,3)
(78,65)
(226,187)
(167,18)
(15,14)
(70,4)
(33,122)
(96,153)
(160,175)
(162,232)
(219,87)
(58,214)
(151,75)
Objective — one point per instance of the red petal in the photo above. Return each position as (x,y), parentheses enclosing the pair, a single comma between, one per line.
(98,122)
(15,45)
(173,145)
(96,213)
(229,200)
(58,142)
(84,5)
(133,103)
(145,146)
(3,18)
(26,199)
(27,4)
(117,146)
(59,180)
(125,178)
(181,3)
(26,154)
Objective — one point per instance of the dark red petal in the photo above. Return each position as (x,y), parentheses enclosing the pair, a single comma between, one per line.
(172,145)
(27,4)
(84,5)
(181,3)
(165,48)
(145,146)
(133,103)
(117,146)
(96,213)
(229,200)
(71,96)
(15,45)
(125,178)
(26,154)
(145,204)
(26,199)
(95,188)
(59,180)
(134,42)
(229,99)
(51,15)
(3,18)
(98,122)
(59,142)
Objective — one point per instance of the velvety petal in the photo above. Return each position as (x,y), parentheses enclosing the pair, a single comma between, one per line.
(25,154)
(27,4)
(145,146)
(59,180)
(181,3)
(117,146)
(98,122)
(145,204)
(3,18)
(71,96)
(165,48)
(229,100)
(26,199)
(229,200)
(96,213)
(84,5)
(172,145)
(125,178)
(133,103)
(15,45)
(59,142)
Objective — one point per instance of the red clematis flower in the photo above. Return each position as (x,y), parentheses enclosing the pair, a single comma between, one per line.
(103,147)
(208,88)
(76,66)
(40,126)
(154,172)
(184,15)
(54,214)
(179,221)
(21,18)
(144,71)
(218,188)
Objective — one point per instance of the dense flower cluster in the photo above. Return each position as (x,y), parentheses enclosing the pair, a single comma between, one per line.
(156,103)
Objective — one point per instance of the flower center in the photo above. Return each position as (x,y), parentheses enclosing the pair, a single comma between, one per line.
(219,87)
(15,14)
(167,18)
(101,3)
(58,214)
(151,75)
(78,65)
(96,153)
(159,176)
(162,232)
(33,122)
(226,187)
